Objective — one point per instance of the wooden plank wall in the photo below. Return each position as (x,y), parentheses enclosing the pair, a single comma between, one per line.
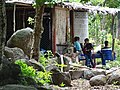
(59,26)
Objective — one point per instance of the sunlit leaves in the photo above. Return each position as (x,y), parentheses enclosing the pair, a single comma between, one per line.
(29,71)
(97,2)
(30,20)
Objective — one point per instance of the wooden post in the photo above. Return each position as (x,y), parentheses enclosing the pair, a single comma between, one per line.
(14,9)
(24,18)
(71,26)
(53,31)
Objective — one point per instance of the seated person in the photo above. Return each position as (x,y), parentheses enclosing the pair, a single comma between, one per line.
(77,48)
(77,45)
(106,45)
(105,53)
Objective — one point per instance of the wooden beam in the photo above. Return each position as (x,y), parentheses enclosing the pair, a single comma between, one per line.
(14,17)
(71,26)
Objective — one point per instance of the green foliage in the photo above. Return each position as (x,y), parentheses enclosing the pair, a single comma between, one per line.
(43,60)
(113,3)
(29,71)
(26,70)
(113,64)
(62,84)
(44,77)
(60,65)
(115,82)
(44,57)
(97,2)
(30,20)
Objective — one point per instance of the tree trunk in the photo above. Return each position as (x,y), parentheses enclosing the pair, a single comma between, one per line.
(38,30)
(2,28)
(113,32)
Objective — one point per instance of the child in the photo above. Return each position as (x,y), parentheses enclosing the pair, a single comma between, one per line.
(87,51)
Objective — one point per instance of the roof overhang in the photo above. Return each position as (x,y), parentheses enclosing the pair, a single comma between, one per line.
(88,8)
(20,2)
(73,6)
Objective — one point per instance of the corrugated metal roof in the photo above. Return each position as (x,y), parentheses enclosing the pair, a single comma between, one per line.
(20,1)
(88,8)
(75,6)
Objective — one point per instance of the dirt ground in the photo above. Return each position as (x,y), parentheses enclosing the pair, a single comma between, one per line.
(82,84)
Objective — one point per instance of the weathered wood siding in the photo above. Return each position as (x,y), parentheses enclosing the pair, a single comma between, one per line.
(81,25)
(59,28)
(118,29)
(61,22)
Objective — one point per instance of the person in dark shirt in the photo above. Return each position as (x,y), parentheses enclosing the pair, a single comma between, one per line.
(106,45)
(102,54)
(87,51)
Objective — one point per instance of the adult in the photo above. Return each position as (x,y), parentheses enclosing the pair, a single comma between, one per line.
(105,45)
(106,53)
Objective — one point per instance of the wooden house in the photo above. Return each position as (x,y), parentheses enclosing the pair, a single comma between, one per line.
(62,22)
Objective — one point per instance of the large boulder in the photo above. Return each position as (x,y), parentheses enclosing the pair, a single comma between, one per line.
(99,72)
(14,53)
(98,80)
(22,39)
(93,72)
(17,87)
(76,74)
(88,74)
(114,77)
(9,73)
(60,77)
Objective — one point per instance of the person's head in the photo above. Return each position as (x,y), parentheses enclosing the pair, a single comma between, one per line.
(77,38)
(86,40)
(106,43)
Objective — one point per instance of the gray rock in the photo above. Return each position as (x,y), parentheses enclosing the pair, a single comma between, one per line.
(98,71)
(98,80)
(17,87)
(88,74)
(51,64)
(66,60)
(50,67)
(114,77)
(44,88)
(37,65)
(9,73)
(61,77)
(76,74)
(22,39)
(14,53)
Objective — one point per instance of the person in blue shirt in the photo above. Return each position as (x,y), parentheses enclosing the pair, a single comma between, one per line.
(77,46)
(77,49)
